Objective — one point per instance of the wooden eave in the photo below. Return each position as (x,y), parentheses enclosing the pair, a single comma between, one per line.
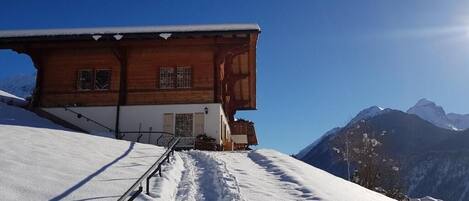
(128,39)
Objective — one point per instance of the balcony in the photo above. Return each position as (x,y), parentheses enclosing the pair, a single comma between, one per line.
(243,134)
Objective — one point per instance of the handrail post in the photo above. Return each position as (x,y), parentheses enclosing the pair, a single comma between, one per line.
(148,185)
(149,135)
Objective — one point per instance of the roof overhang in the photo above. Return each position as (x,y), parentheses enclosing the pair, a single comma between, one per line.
(118,33)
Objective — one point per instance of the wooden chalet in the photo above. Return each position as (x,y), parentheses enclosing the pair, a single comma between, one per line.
(133,81)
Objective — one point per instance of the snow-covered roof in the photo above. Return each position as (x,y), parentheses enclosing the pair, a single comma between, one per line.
(133,30)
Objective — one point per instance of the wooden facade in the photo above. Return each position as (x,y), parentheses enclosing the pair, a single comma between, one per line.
(222,63)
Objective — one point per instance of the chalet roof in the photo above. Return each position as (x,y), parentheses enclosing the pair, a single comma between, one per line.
(74,32)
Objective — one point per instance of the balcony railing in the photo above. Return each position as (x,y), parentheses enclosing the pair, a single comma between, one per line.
(244,128)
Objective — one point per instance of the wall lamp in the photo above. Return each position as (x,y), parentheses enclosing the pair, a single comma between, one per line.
(206,110)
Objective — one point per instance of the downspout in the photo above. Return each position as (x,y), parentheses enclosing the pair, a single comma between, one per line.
(36,98)
(121,55)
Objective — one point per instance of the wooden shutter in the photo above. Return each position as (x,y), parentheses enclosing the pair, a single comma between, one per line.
(199,123)
(168,122)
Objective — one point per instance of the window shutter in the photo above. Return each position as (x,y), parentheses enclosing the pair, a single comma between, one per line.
(168,122)
(199,123)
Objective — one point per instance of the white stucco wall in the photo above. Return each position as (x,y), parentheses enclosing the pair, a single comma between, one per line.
(240,139)
(145,115)
(103,115)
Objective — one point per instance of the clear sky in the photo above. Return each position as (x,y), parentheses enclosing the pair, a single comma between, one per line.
(319,62)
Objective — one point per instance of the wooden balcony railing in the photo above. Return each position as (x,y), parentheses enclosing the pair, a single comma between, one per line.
(243,127)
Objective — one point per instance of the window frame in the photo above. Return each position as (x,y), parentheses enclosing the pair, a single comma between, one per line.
(78,83)
(174,77)
(183,81)
(171,78)
(94,80)
(191,124)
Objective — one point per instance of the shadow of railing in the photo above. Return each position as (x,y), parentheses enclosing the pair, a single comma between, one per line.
(88,178)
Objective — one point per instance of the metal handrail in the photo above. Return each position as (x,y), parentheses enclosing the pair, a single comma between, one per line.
(79,115)
(133,192)
(150,133)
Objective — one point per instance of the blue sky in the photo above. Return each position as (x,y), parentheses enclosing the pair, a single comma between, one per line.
(319,62)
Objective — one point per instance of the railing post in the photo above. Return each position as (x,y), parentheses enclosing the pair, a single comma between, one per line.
(140,188)
(149,136)
(148,185)
(159,169)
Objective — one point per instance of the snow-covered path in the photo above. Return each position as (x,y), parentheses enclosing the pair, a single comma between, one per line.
(205,178)
(250,174)
(255,175)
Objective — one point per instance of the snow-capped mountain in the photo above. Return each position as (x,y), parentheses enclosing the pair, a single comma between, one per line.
(430,145)
(368,113)
(306,150)
(436,115)
(362,115)
(19,85)
(460,121)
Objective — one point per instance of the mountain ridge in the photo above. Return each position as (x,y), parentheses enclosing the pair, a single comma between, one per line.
(431,156)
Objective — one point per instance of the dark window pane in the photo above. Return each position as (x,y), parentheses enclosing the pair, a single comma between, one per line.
(85,80)
(166,78)
(103,80)
(183,125)
(184,77)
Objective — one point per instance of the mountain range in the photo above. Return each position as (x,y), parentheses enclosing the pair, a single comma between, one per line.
(20,85)
(432,148)
(436,115)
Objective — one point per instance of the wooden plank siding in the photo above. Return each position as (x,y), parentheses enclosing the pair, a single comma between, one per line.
(61,68)
(223,70)
(60,72)
(143,75)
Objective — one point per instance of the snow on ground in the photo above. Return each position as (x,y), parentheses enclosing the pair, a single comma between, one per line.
(255,175)
(11,99)
(427,198)
(39,160)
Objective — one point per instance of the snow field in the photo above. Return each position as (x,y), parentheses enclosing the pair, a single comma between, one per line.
(255,175)
(41,161)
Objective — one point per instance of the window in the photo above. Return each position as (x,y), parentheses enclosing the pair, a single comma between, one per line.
(184,125)
(179,77)
(183,77)
(166,78)
(102,80)
(85,80)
